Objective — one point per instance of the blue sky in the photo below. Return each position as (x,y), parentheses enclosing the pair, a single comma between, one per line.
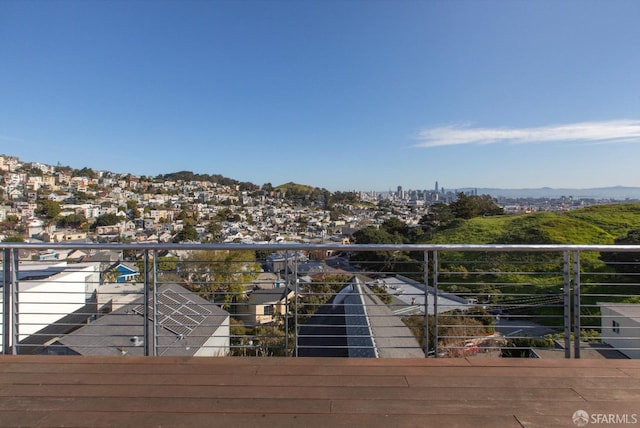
(345,95)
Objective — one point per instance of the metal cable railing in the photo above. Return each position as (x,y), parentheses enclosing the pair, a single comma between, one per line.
(321,300)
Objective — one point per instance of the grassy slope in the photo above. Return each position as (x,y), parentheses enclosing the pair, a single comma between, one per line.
(597,225)
(301,188)
(617,219)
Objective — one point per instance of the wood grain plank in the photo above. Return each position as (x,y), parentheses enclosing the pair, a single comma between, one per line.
(143,391)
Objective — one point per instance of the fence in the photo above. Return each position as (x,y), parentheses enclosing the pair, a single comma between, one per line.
(321,300)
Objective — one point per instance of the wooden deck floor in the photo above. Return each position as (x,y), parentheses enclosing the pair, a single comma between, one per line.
(311,392)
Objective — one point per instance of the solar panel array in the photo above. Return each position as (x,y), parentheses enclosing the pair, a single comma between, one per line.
(176,313)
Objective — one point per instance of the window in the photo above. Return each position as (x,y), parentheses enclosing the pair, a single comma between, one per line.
(268,309)
(615,325)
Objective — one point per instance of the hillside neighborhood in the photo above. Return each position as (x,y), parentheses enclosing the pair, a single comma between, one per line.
(102,309)
(40,202)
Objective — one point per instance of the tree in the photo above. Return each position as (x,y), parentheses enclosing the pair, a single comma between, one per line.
(374,235)
(132,208)
(467,207)
(395,226)
(378,260)
(184,214)
(106,220)
(225,214)
(269,341)
(624,262)
(439,214)
(63,169)
(302,223)
(83,197)
(36,172)
(48,209)
(239,338)
(220,276)
(188,233)
(215,230)
(72,220)
(167,263)
(84,172)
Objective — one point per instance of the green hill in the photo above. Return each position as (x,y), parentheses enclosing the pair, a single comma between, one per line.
(616,219)
(515,277)
(295,188)
(595,225)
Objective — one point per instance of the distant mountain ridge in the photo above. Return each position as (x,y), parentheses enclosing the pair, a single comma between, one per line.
(614,192)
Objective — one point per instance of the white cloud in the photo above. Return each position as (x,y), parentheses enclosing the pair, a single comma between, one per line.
(613,131)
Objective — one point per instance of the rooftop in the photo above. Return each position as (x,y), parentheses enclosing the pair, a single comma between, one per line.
(185,323)
(628,310)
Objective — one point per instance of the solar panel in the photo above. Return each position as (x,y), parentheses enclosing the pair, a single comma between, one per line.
(176,327)
(176,313)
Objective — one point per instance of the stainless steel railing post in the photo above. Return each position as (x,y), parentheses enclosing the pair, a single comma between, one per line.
(6,302)
(145,305)
(435,303)
(576,304)
(426,304)
(567,305)
(154,324)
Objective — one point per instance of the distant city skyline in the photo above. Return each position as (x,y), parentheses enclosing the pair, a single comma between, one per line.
(349,95)
(426,193)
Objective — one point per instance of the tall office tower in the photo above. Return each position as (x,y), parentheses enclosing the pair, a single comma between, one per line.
(400,194)
(436,187)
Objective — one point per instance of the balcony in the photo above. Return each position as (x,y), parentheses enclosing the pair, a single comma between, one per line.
(321,300)
(294,300)
(109,335)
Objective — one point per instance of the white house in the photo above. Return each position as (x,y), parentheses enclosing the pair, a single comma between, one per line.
(47,292)
(621,327)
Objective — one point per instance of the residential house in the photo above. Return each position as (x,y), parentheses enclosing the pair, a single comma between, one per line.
(620,323)
(64,236)
(165,237)
(278,262)
(76,255)
(263,306)
(35,227)
(122,272)
(188,325)
(9,163)
(48,291)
